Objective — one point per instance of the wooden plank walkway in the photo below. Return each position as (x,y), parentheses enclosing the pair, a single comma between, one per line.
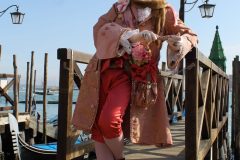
(151,152)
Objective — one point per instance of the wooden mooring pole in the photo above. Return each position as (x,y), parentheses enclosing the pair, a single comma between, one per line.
(45,98)
(0,51)
(15,110)
(27,89)
(34,82)
(34,103)
(236,108)
(31,81)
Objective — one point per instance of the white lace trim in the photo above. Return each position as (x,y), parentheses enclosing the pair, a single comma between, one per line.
(126,45)
(143,13)
(126,35)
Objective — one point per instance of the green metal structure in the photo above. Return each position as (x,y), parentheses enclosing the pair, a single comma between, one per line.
(217,53)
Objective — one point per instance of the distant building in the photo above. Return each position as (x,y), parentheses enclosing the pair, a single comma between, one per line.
(217,53)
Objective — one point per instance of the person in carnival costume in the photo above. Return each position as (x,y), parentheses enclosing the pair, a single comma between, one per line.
(120,83)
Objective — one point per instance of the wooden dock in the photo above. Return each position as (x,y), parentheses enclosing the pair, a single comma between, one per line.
(151,152)
(37,126)
(22,118)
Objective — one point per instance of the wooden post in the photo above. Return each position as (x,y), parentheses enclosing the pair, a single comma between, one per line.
(27,89)
(237,112)
(215,150)
(65,106)
(18,86)
(78,76)
(233,103)
(191,123)
(236,107)
(220,144)
(31,81)
(182,10)
(1,147)
(34,89)
(15,111)
(34,83)
(181,63)
(171,98)
(0,52)
(45,98)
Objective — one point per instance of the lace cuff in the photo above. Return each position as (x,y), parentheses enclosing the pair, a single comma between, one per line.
(126,35)
(125,44)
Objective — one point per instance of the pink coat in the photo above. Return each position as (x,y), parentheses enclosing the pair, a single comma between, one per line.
(147,126)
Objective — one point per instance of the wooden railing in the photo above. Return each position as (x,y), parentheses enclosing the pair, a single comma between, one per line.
(173,93)
(206,105)
(69,71)
(236,108)
(12,82)
(206,108)
(4,93)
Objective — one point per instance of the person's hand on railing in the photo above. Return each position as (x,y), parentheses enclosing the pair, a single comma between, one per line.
(178,47)
(175,43)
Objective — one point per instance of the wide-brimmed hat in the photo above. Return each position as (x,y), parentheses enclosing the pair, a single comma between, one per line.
(154,4)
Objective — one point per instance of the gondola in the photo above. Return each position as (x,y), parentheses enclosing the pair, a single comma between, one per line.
(49,92)
(38,151)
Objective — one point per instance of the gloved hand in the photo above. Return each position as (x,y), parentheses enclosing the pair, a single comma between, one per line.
(178,47)
(175,42)
(149,36)
(144,37)
(127,47)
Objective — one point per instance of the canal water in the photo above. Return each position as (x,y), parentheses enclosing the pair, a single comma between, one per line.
(52,109)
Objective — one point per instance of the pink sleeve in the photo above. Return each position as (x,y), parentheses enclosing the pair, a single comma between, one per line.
(173,26)
(107,34)
(107,40)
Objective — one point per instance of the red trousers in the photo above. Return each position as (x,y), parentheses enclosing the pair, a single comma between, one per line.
(115,90)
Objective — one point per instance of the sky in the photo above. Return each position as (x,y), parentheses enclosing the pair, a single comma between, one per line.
(52,24)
